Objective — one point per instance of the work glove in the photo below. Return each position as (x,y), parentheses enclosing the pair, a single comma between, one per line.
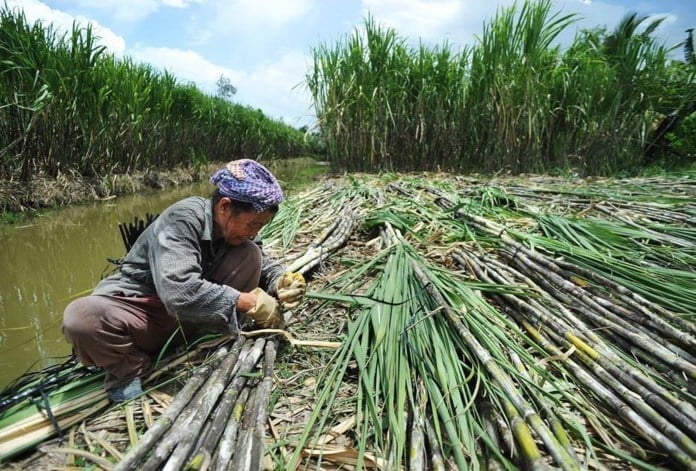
(290,288)
(266,313)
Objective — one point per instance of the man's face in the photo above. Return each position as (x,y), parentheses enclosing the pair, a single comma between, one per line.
(237,226)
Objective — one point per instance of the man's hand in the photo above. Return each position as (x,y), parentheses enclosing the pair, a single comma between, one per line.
(266,313)
(246,302)
(290,288)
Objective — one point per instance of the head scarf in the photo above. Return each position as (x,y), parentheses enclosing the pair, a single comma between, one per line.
(249,181)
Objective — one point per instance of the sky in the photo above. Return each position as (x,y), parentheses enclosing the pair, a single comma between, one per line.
(265,46)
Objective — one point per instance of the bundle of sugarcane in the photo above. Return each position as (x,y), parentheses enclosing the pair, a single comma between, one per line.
(60,397)
(169,442)
(652,396)
(410,373)
(51,403)
(661,417)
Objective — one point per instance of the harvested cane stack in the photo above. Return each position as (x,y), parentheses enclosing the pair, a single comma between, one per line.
(512,349)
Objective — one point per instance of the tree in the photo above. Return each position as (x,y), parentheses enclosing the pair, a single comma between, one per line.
(225,89)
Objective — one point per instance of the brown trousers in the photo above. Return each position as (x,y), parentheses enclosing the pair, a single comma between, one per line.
(123,334)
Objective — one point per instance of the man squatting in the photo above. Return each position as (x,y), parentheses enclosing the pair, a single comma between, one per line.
(195,267)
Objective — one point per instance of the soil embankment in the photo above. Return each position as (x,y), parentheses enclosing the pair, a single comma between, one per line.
(44,192)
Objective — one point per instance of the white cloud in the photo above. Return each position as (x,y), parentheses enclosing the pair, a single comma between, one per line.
(277,88)
(670,32)
(35,10)
(179,3)
(185,65)
(133,10)
(259,17)
(122,10)
(197,36)
(434,21)
(592,14)
(459,21)
(414,18)
(597,14)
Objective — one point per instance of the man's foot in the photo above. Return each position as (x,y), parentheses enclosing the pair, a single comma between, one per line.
(126,392)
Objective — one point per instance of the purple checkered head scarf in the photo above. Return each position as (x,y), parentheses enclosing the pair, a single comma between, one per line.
(249,181)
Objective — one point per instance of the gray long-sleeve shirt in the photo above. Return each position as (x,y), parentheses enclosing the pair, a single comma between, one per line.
(172,259)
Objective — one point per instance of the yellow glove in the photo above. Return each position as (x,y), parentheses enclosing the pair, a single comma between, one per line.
(290,289)
(266,313)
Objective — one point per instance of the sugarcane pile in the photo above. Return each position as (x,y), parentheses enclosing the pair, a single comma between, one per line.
(506,323)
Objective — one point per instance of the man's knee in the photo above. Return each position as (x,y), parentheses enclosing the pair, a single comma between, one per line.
(78,318)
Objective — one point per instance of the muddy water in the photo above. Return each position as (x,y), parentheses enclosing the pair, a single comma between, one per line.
(53,259)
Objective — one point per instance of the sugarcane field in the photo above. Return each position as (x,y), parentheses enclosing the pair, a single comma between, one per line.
(451,322)
(491,246)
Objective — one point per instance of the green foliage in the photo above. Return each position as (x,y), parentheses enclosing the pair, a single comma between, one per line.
(8,217)
(683,142)
(513,102)
(68,105)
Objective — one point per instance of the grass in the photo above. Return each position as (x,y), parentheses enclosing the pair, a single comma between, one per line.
(297,172)
(9,217)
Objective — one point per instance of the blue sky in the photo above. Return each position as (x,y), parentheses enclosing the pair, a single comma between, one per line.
(264,46)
